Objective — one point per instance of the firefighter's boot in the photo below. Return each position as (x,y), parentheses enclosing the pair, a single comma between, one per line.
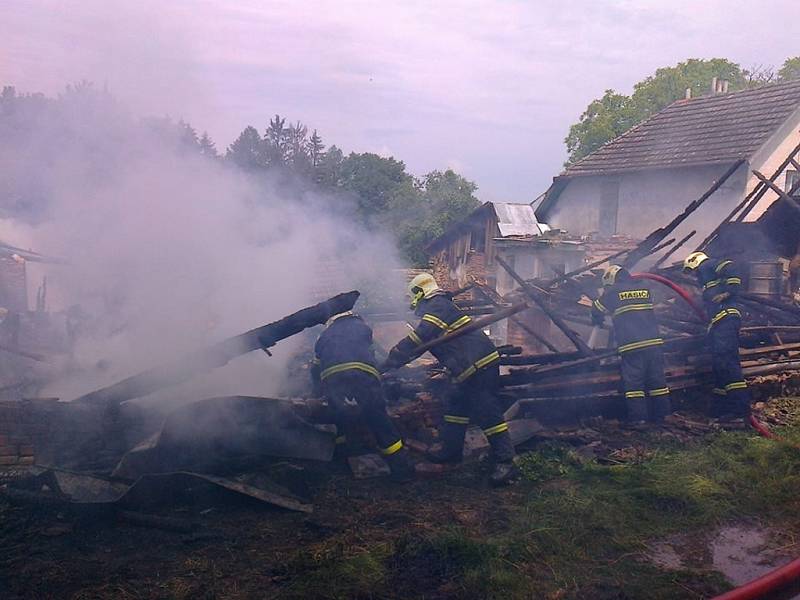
(402,469)
(452,450)
(504,471)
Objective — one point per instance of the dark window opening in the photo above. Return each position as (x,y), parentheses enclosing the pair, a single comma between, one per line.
(609,207)
(477,240)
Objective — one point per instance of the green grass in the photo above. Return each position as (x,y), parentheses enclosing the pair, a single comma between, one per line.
(580,530)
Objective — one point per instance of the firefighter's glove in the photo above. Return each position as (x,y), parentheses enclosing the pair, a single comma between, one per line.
(719,298)
(597,319)
(394,361)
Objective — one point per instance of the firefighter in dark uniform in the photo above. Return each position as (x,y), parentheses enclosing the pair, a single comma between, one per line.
(630,305)
(474,364)
(345,372)
(721,284)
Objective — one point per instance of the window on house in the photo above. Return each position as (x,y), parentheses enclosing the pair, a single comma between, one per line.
(478,240)
(609,207)
(792,179)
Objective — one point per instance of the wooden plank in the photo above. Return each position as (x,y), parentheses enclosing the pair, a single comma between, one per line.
(573,337)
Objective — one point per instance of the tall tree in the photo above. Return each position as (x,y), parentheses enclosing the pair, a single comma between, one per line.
(207,146)
(275,142)
(445,198)
(790,69)
(187,136)
(297,148)
(315,149)
(246,151)
(328,172)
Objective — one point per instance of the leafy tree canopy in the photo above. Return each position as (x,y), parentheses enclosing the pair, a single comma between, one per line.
(790,69)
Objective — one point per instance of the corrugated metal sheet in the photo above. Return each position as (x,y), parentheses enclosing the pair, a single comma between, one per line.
(517,220)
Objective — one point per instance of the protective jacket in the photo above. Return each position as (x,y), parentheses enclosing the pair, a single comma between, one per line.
(721,284)
(462,356)
(630,305)
(345,345)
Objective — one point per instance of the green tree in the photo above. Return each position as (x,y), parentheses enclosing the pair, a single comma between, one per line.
(187,136)
(328,170)
(207,146)
(377,183)
(276,139)
(246,151)
(297,148)
(790,69)
(445,198)
(603,120)
(315,149)
(613,114)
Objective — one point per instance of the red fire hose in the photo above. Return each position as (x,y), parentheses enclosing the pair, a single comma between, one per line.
(675,288)
(766,584)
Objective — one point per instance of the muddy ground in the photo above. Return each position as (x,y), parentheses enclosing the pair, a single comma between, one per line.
(647,515)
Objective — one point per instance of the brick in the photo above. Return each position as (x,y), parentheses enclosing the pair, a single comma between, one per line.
(8,451)
(27,450)
(3,440)
(8,460)
(26,460)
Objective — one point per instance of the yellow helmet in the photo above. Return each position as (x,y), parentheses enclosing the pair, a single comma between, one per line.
(422,286)
(610,275)
(694,260)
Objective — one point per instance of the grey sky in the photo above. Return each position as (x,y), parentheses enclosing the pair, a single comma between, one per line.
(489,88)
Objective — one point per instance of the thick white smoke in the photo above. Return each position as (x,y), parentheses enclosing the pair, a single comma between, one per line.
(169,250)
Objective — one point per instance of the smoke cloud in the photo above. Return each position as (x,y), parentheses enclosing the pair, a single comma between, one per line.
(168,250)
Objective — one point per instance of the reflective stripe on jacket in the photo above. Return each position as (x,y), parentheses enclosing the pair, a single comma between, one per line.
(462,356)
(630,305)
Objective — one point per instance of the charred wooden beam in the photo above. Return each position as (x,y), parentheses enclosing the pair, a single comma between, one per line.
(221,353)
(517,321)
(673,250)
(785,196)
(573,337)
(652,240)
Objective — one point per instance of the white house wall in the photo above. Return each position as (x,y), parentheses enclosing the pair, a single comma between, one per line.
(770,156)
(649,199)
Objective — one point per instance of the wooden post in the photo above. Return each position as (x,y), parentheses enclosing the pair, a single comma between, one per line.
(539,338)
(573,337)
(220,354)
(784,195)
(673,250)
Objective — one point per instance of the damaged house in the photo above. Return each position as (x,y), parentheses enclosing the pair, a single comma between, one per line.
(468,251)
(643,177)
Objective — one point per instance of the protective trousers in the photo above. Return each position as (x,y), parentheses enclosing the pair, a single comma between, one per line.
(357,396)
(731,396)
(646,391)
(476,401)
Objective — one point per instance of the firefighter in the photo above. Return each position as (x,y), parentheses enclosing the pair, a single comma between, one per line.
(630,305)
(345,372)
(474,364)
(721,284)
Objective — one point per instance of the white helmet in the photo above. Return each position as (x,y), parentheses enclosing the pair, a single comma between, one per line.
(694,260)
(422,286)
